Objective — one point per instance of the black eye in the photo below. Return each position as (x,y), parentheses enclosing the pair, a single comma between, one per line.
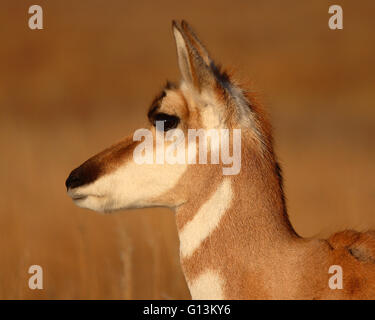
(170,122)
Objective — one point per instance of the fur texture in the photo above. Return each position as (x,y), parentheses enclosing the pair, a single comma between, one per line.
(236,238)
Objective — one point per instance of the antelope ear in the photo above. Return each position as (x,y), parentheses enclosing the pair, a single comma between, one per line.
(196,43)
(192,59)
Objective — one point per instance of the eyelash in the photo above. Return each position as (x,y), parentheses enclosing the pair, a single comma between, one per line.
(170,121)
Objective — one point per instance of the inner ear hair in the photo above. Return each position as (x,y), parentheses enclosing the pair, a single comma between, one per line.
(196,43)
(193,67)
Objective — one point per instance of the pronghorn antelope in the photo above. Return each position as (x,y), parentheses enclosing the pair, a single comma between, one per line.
(236,241)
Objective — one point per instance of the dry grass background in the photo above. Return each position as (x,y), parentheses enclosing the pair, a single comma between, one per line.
(86,80)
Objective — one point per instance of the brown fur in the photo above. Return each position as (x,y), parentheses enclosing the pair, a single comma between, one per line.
(254,248)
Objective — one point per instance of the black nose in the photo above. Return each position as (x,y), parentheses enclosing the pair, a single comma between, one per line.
(74,180)
(86,173)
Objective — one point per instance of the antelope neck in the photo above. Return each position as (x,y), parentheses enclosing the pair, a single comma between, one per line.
(235,228)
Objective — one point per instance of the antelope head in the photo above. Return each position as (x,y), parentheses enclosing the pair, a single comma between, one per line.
(206,98)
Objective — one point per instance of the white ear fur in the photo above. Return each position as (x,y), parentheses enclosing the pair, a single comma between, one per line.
(183,55)
(194,70)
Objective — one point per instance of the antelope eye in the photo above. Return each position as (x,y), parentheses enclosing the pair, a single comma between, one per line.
(169,121)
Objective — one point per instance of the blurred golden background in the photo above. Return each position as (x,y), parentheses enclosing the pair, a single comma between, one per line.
(86,80)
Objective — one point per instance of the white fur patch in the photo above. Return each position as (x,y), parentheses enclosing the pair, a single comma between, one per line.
(207,286)
(131,186)
(206,219)
(210,116)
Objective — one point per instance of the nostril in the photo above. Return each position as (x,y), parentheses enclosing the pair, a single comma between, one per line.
(73,180)
(84,174)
